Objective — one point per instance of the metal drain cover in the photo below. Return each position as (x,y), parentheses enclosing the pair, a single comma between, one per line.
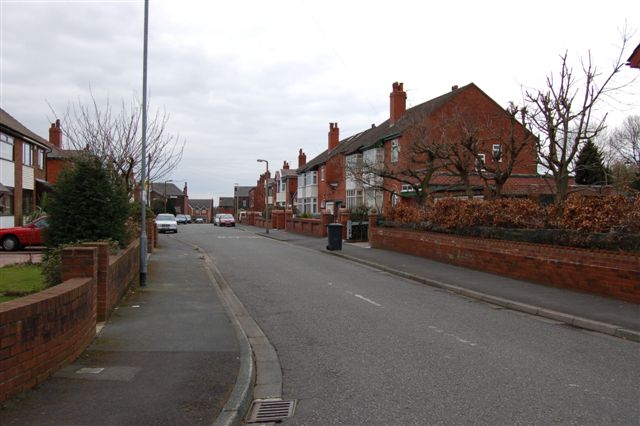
(264,411)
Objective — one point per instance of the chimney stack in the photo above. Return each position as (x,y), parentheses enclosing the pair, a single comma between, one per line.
(398,104)
(334,135)
(454,87)
(302,159)
(285,166)
(55,134)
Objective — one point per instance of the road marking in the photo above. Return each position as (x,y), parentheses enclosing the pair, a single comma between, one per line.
(236,237)
(459,339)
(367,300)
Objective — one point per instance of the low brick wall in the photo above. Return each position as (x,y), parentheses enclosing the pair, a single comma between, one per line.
(42,332)
(605,273)
(116,273)
(312,227)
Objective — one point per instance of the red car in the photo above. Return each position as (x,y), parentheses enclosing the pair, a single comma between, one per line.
(19,237)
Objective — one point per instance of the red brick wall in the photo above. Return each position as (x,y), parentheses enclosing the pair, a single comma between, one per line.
(42,332)
(116,273)
(610,274)
(313,227)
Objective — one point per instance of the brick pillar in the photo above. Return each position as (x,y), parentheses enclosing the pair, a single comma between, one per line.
(155,234)
(343,218)
(150,235)
(103,267)
(79,262)
(373,220)
(325,219)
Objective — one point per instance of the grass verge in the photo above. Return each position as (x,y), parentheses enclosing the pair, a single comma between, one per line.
(20,280)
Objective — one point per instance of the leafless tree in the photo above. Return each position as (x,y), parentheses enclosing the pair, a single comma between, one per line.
(115,137)
(625,141)
(563,114)
(512,139)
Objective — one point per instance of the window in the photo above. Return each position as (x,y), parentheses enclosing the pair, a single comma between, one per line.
(27,202)
(40,158)
(314,205)
(395,199)
(314,178)
(283,185)
(322,173)
(6,147)
(6,205)
(496,152)
(27,154)
(395,151)
(407,188)
(480,159)
(354,198)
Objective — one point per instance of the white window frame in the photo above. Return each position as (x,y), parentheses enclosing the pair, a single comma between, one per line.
(27,154)
(481,158)
(6,147)
(322,173)
(395,150)
(494,148)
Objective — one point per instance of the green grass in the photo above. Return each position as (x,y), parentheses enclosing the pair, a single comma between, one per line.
(20,280)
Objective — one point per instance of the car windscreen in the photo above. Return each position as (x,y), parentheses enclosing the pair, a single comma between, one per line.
(165,217)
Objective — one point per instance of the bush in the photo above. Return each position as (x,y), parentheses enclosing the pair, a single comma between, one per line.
(88,204)
(581,213)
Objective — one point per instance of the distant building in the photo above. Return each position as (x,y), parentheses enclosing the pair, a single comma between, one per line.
(202,208)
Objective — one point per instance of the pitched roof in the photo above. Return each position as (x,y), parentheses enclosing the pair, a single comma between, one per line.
(384,131)
(225,202)
(201,204)
(14,126)
(165,188)
(243,191)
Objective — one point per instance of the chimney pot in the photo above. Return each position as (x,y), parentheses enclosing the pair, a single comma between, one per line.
(334,135)
(454,87)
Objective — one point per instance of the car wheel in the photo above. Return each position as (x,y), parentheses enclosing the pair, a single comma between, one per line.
(10,243)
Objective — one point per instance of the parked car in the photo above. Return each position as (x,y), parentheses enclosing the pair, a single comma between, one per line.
(216,219)
(189,220)
(19,237)
(181,219)
(166,223)
(226,220)
(199,220)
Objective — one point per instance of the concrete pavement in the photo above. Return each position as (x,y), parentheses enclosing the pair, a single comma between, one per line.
(168,355)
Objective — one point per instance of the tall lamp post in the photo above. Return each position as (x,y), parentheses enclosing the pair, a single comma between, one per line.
(143,177)
(235,201)
(165,193)
(266,196)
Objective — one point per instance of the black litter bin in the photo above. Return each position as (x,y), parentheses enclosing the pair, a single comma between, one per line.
(334,232)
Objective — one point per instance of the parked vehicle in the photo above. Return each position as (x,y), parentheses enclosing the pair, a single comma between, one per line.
(181,219)
(227,220)
(189,220)
(19,237)
(199,220)
(216,219)
(166,223)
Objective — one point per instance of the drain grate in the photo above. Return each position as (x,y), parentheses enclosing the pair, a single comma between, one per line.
(263,411)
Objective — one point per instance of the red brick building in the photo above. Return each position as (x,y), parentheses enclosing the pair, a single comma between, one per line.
(634,59)
(327,180)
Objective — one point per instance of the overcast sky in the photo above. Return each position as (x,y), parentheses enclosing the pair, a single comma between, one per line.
(244,80)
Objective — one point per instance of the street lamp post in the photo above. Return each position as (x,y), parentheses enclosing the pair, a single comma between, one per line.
(165,194)
(266,196)
(235,201)
(143,166)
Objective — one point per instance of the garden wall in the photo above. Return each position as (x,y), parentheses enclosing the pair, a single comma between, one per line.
(42,332)
(605,273)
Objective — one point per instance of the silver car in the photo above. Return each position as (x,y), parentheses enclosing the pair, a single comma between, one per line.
(166,223)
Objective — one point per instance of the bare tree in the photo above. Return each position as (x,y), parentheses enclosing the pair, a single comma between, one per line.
(417,162)
(563,114)
(625,141)
(115,137)
(512,140)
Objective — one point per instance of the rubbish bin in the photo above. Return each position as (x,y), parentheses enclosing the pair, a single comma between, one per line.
(334,232)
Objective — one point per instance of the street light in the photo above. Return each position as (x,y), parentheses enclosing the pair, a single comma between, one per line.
(266,196)
(165,194)
(235,201)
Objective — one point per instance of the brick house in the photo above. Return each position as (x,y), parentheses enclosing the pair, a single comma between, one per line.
(389,145)
(167,193)
(286,186)
(241,199)
(634,59)
(226,205)
(23,171)
(202,208)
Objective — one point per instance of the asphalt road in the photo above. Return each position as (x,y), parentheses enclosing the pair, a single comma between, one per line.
(359,346)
